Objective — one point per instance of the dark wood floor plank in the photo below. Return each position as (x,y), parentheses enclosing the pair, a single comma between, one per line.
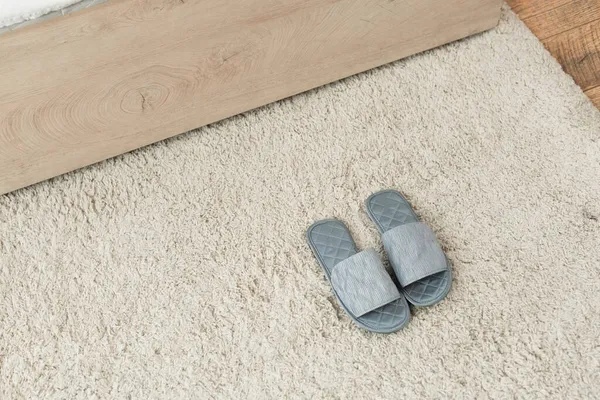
(529,8)
(571,15)
(578,51)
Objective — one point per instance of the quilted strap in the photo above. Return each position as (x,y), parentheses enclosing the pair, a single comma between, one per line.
(414,252)
(362,283)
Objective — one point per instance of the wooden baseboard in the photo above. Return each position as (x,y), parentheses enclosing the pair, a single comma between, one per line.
(85,87)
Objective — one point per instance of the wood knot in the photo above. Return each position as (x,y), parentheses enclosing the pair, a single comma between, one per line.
(145,98)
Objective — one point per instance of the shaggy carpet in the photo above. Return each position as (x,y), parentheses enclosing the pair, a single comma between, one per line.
(181,270)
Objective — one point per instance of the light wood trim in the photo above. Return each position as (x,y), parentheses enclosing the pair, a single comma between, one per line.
(85,87)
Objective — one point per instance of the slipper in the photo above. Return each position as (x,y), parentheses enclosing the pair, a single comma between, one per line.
(360,281)
(420,265)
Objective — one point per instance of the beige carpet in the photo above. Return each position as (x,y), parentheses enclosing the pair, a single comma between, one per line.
(181,270)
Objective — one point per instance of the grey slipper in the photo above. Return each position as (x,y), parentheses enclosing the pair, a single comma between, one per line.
(418,260)
(360,281)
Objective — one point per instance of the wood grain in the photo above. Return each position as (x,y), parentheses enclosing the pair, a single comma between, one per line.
(82,88)
(566,17)
(578,51)
(594,95)
(529,8)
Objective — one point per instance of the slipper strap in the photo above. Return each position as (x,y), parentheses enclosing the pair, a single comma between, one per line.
(414,252)
(362,283)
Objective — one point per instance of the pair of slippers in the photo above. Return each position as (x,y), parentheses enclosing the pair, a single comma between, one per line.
(360,281)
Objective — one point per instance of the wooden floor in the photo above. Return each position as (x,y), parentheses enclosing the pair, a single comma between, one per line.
(570,30)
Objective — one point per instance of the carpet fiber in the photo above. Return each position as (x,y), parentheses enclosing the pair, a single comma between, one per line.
(181,270)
